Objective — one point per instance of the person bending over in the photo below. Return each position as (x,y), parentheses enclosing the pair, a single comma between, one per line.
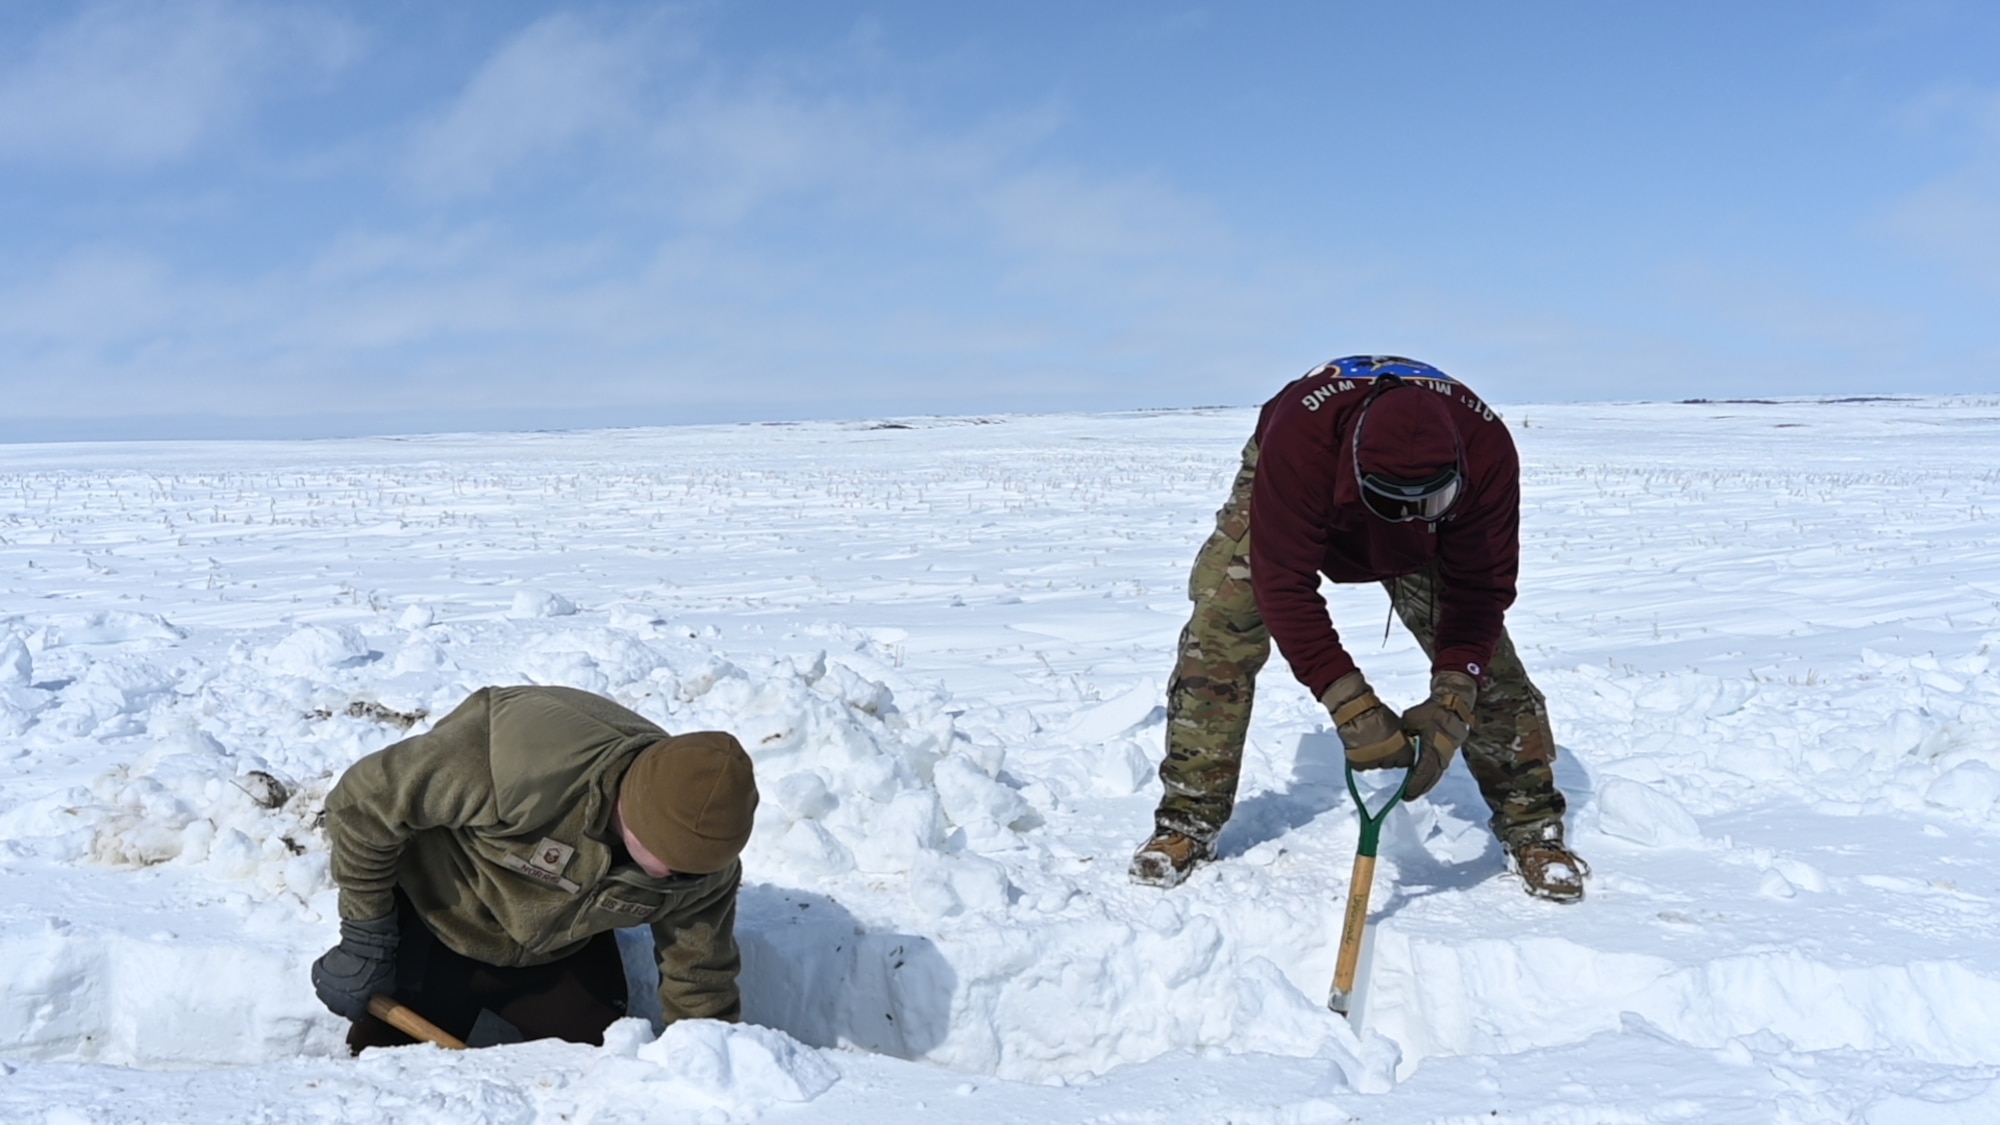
(486,863)
(1369,469)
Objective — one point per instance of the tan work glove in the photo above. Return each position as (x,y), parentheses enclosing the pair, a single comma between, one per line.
(1439,726)
(1370,732)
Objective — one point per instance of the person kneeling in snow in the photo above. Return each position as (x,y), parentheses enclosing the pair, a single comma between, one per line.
(1371,468)
(485,864)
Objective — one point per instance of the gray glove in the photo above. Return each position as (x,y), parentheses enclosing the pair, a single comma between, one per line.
(1439,725)
(362,965)
(1370,732)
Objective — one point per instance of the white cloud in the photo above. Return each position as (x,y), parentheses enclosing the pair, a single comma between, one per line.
(723,152)
(740,220)
(135,84)
(771,219)
(1953,111)
(84,293)
(1067,215)
(358,256)
(728,153)
(558,83)
(1955,218)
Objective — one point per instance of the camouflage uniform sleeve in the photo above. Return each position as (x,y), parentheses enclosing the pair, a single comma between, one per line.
(439,779)
(699,958)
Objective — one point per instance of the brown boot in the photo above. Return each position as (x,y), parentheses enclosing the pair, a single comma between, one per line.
(1548,869)
(1168,858)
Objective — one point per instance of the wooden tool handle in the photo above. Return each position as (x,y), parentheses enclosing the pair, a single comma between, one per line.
(404,1018)
(1351,929)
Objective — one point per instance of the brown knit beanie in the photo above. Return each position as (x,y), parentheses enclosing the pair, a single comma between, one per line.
(689,799)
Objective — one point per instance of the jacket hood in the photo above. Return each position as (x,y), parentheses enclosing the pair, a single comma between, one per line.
(1406,432)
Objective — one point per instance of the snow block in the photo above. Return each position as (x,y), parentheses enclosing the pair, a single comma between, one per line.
(529,604)
(739,1064)
(1643,815)
(1970,788)
(317,649)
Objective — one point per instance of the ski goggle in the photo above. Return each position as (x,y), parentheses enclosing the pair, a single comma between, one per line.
(1393,498)
(1399,501)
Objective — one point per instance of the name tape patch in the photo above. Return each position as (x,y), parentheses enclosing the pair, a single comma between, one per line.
(630,909)
(521,866)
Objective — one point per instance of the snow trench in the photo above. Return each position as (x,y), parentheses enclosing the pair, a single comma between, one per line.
(905,895)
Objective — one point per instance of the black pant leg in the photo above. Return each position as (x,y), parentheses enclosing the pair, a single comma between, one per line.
(575,998)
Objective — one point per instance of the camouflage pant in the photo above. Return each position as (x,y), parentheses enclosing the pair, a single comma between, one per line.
(1511,750)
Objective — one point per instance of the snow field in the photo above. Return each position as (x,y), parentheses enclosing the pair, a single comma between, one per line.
(1765,632)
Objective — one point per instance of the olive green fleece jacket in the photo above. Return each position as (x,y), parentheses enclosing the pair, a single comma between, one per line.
(496,824)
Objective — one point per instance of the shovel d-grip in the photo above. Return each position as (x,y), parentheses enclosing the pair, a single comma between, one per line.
(1341,996)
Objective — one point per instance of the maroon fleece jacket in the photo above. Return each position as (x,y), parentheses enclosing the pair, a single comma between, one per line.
(1307,518)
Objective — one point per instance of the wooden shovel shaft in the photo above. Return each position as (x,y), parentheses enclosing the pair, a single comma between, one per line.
(1359,887)
(404,1018)
(1345,966)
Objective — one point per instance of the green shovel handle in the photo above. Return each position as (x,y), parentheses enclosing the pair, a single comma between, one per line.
(1371,823)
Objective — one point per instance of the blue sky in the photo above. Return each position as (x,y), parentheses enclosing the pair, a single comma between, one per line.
(233,219)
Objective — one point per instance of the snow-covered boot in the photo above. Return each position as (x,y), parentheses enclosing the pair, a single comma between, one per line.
(1548,869)
(1167,858)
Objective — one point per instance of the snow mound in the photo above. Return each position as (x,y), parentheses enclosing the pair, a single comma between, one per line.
(317,649)
(530,604)
(20,700)
(1643,815)
(1970,788)
(728,1064)
(111,627)
(17,665)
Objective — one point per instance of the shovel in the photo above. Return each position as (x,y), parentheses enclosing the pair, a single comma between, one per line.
(1341,997)
(405,1019)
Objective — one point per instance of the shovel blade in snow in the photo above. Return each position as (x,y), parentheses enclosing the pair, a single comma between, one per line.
(1341,1002)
